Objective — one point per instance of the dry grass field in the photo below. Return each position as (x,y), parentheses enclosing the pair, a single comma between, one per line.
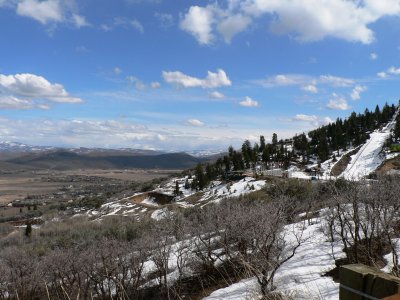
(20,184)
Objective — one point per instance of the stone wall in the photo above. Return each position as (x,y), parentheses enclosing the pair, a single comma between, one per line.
(360,282)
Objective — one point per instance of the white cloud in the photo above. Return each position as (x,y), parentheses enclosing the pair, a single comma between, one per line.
(118,133)
(136,82)
(327,121)
(310,88)
(49,11)
(6,3)
(137,25)
(143,1)
(26,91)
(248,102)
(356,93)
(42,11)
(79,21)
(374,56)
(194,123)
(155,85)
(391,71)
(216,95)
(198,22)
(381,74)
(286,80)
(213,80)
(11,102)
(166,20)
(125,23)
(394,71)
(306,82)
(233,25)
(117,70)
(338,103)
(314,20)
(305,20)
(336,81)
(312,119)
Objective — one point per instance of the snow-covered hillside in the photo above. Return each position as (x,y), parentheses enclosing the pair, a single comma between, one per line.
(370,155)
(302,276)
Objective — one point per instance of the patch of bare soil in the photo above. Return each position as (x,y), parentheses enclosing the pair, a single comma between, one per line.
(341,165)
(390,164)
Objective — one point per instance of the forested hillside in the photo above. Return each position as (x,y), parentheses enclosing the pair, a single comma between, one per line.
(316,146)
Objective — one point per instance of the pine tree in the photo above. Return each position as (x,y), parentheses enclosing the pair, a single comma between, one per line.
(262,143)
(176,191)
(28,230)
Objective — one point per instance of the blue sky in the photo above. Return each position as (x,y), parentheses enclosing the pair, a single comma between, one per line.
(184,75)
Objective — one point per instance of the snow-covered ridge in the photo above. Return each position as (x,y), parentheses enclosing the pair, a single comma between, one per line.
(370,155)
(9,146)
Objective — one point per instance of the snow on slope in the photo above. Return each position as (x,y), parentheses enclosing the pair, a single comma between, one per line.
(301,277)
(369,157)
(218,190)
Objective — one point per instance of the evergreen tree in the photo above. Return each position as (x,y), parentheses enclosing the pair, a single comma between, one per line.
(28,230)
(262,143)
(176,191)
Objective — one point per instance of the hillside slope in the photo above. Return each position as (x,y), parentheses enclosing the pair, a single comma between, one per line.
(370,155)
(65,160)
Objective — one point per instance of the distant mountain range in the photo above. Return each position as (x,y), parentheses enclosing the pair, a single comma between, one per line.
(17,155)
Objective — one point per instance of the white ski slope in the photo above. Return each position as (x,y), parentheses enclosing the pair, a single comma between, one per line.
(369,157)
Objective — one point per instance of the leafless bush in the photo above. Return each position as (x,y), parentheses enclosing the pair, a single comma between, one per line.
(363,215)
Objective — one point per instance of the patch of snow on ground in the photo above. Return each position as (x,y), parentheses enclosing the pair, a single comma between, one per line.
(218,190)
(160,214)
(300,277)
(150,201)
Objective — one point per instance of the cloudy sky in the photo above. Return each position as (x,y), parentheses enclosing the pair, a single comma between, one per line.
(182,75)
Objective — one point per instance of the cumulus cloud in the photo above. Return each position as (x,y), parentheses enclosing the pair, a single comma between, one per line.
(25,91)
(216,95)
(11,102)
(42,11)
(248,102)
(391,71)
(356,93)
(313,120)
(381,74)
(373,56)
(213,80)
(49,11)
(233,25)
(394,71)
(194,123)
(198,22)
(305,20)
(338,103)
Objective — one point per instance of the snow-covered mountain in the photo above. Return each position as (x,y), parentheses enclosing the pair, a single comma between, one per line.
(8,146)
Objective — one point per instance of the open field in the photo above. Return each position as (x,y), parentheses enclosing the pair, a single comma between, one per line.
(18,185)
